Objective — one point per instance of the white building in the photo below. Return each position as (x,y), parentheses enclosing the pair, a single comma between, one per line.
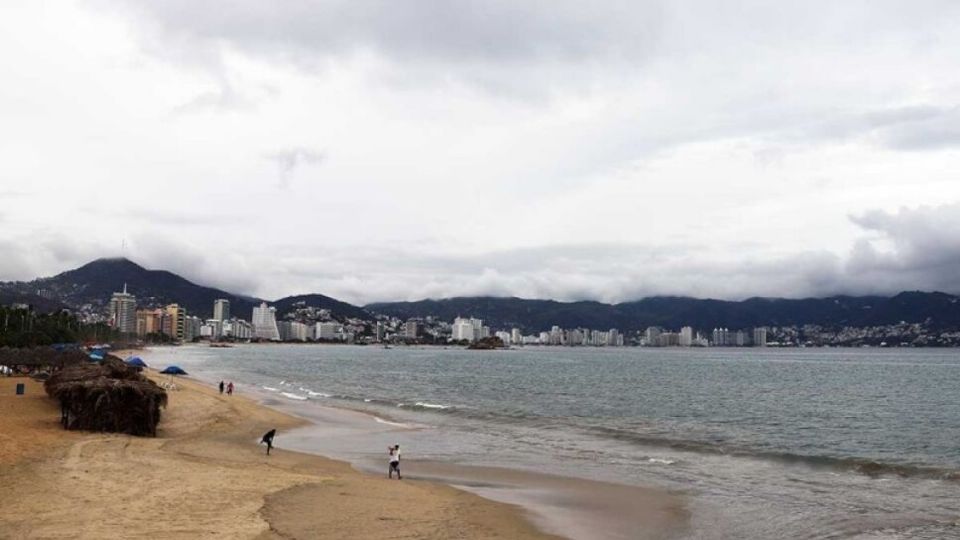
(466,329)
(504,337)
(123,311)
(221,309)
(265,323)
(293,331)
(237,329)
(760,337)
(686,336)
(327,331)
(212,328)
(516,337)
(410,330)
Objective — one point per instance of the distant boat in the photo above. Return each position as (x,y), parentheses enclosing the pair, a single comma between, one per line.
(387,347)
(221,345)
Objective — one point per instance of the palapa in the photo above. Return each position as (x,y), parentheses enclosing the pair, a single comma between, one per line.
(109,396)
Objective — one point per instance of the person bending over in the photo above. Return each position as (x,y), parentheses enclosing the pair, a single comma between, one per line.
(268,439)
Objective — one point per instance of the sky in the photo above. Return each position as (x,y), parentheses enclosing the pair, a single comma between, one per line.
(382,150)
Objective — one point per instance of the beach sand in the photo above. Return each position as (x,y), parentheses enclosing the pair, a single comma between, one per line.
(205,476)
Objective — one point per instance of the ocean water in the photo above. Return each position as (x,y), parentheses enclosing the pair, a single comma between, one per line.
(765,443)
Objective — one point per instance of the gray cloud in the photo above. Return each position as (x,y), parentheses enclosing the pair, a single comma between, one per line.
(289,160)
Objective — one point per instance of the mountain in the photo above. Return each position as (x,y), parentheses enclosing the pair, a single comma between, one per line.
(937,309)
(94,283)
(319,301)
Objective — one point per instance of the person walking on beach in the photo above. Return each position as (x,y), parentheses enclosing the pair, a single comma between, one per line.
(394,453)
(230,388)
(221,387)
(268,439)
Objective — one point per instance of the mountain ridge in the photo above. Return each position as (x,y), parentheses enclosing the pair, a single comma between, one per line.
(92,284)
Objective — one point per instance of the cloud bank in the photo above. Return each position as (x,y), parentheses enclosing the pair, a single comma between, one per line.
(542,149)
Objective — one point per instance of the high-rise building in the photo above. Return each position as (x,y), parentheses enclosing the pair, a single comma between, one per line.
(173,321)
(327,331)
(466,329)
(516,338)
(221,309)
(410,330)
(760,337)
(652,336)
(265,323)
(123,311)
(686,336)
(381,331)
(149,321)
(191,328)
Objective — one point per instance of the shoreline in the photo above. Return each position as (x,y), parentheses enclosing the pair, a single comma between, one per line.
(565,506)
(202,476)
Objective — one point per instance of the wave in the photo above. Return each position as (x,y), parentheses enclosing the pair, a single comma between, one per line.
(426,405)
(271,389)
(389,423)
(859,465)
(311,393)
(291,395)
(661,461)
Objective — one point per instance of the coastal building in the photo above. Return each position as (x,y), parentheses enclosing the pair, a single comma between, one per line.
(173,320)
(123,311)
(380,331)
(327,331)
(237,329)
(221,309)
(149,321)
(410,330)
(504,337)
(294,331)
(212,329)
(466,329)
(265,322)
(720,337)
(651,337)
(191,327)
(516,337)
(686,336)
(760,337)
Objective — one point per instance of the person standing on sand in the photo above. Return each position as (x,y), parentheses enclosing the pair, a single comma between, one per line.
(221,387)
(394,452)
(230,388)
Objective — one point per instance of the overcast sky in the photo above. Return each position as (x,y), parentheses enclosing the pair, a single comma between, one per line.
(389,150)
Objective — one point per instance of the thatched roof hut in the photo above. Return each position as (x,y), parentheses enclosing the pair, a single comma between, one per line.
(41,357)
(109,396)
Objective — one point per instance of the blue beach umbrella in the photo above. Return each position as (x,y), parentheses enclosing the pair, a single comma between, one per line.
(174,370)
(96,356)
(135,361)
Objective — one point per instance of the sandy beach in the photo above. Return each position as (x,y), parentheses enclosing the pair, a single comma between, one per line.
(205,476)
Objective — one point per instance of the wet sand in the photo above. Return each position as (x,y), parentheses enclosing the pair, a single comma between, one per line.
(569,507)
(205,476)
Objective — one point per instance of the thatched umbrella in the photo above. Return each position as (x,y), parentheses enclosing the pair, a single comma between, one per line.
(109,396)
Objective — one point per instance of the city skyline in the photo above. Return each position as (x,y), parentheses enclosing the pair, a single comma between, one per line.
(604,152)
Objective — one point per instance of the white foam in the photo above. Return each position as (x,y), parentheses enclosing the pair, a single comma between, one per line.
(270,388)
(431,405)
(297,397)
(367,400)
(389,423)
(311,393)
(661,461)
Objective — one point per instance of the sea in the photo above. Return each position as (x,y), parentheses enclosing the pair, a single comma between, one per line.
(761,443)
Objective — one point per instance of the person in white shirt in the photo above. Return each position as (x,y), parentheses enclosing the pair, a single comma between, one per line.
(394,454)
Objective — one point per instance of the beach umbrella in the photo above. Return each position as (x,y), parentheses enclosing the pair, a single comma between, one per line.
(174,370)
(135,361)
(96,356)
